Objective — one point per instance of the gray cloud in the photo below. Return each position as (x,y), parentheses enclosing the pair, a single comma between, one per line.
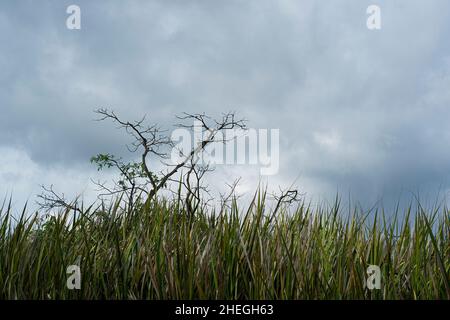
(358,110)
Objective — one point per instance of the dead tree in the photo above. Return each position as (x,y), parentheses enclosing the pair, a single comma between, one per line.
(140,179)
(285,197)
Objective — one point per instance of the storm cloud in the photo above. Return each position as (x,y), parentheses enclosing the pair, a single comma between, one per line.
(359,111)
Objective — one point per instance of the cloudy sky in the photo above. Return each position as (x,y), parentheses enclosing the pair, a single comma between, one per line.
(363,112)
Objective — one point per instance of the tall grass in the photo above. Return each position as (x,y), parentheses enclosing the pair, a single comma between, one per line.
(163,253)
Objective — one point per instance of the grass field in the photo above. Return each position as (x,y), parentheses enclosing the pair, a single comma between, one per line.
(160,252)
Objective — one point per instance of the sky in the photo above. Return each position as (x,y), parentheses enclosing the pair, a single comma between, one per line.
(361,112)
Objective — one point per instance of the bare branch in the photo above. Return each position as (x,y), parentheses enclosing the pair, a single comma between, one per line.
(49,200)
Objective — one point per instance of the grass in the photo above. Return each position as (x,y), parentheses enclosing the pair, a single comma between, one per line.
(160,252)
